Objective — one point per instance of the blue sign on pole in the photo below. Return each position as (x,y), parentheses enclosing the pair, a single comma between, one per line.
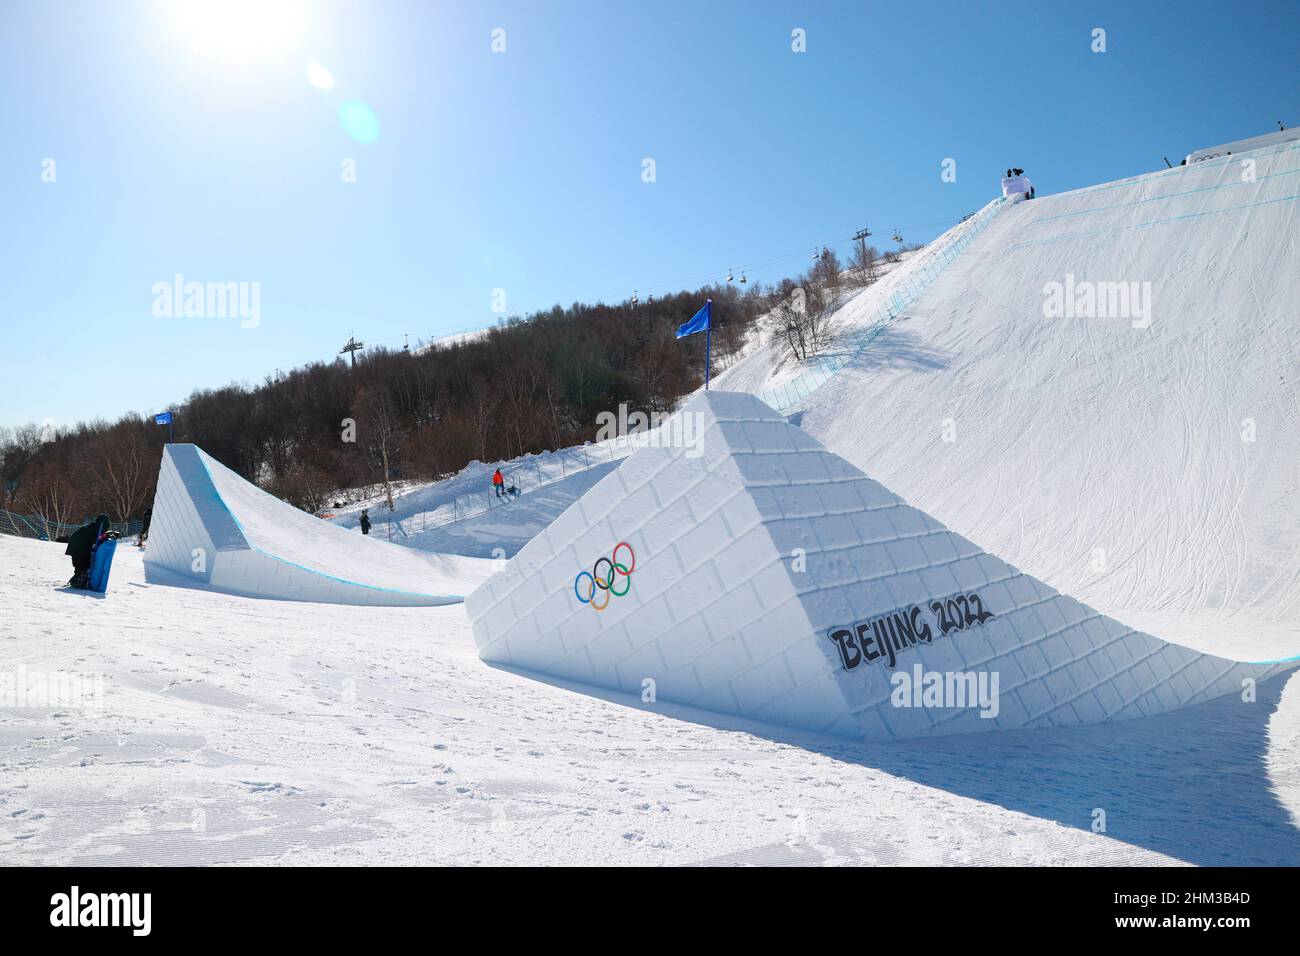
(164,418)
(702,321)
(698,323)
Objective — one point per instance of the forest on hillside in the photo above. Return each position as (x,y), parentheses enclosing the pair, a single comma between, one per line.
(524,385)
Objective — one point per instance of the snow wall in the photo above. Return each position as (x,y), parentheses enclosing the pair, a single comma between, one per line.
(211,528)
(749,571)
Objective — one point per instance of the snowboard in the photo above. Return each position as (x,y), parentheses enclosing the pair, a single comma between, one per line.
(101,562)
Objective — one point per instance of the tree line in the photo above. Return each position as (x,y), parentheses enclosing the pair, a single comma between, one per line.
(423,413)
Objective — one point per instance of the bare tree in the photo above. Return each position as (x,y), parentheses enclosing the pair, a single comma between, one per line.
(483,407)
(827,273)
(49,493)
(377,426)
(553,395)
(306,486)
(802,312)
(865,259)
(523,381)
(650,370)
(123,467)
(790,318)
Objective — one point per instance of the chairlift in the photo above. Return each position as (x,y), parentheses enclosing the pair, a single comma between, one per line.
(898,237)
(729,276)
(743,280)
(634,299)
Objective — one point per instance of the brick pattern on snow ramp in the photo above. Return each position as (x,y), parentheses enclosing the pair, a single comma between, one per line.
(719,618)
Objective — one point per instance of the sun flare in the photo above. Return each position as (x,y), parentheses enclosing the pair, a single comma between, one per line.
(239,30)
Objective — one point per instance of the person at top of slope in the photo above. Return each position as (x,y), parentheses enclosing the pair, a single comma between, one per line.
(365,521)
(498,483)
(1015,181)
(81,547)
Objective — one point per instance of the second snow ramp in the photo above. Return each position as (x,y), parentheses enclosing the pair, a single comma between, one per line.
(213,529)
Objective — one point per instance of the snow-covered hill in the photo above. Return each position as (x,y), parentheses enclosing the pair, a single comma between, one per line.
(1148,465)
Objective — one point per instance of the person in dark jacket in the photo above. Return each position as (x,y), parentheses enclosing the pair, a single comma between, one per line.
(365,521)
(81,546)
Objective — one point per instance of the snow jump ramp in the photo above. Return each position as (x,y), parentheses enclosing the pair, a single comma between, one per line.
(212,529)
(751,572)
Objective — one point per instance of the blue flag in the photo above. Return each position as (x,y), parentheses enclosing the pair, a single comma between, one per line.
(699,323)
(163,418)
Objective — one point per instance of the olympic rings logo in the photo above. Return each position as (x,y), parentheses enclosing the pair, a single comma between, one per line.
(599,580)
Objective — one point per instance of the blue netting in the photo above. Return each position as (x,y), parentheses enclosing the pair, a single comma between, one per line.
(45,529)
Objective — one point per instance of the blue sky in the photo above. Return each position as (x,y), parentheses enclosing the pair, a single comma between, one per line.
(522,170)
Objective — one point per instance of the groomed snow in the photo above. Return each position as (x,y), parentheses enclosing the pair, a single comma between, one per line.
(1151,472)
(236,730)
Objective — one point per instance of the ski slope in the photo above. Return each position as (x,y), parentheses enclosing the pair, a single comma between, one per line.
(420,513)
(500,531)
(1150,471)
(239,730)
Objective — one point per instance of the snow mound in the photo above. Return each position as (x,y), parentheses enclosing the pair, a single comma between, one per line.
(213,529)
(749,571)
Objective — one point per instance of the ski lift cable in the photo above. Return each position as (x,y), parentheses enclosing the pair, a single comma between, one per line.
(674,284)
(687,281)
(683,283)
(773,260)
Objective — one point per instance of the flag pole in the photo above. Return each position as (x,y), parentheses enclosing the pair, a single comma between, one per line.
(708,343)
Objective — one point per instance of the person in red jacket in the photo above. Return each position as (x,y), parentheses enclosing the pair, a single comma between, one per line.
(498,483)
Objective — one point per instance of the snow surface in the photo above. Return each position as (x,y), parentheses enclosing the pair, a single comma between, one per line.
(766,360)
(237,730)
(1242,145)
(420,511)
(1104,459)
(501,531)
